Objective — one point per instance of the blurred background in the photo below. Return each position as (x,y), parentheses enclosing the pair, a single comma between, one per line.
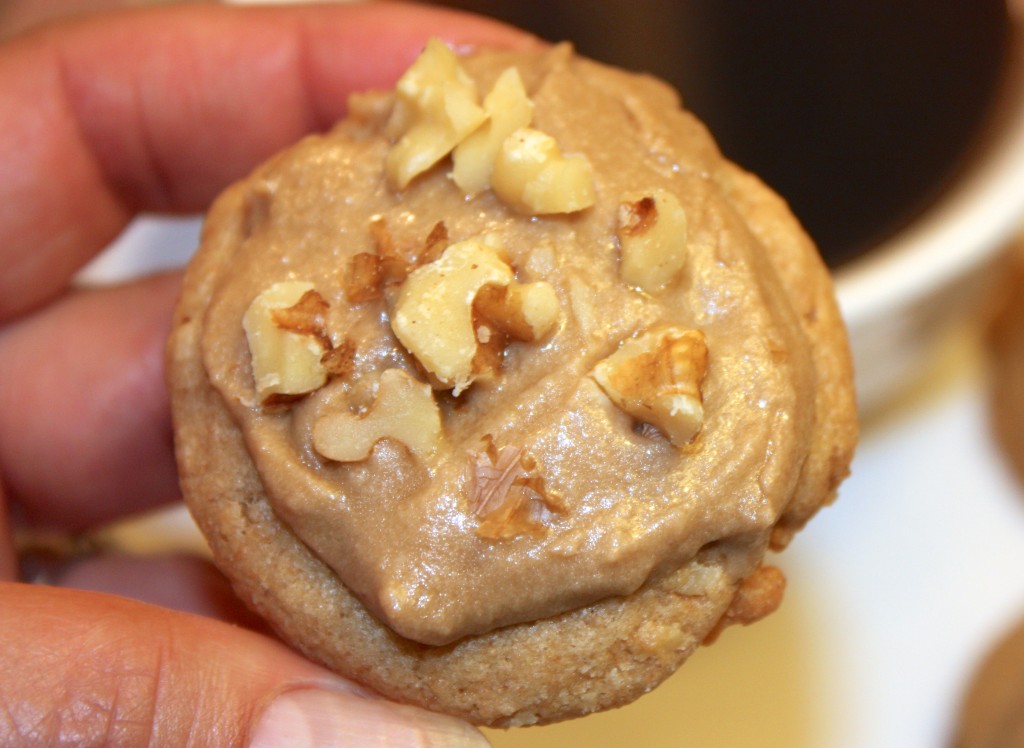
(858,111)
(896,131)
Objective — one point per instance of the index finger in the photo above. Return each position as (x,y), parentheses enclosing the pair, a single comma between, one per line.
(159,109)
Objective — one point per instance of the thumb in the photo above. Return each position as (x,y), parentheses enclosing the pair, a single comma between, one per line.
(93,669)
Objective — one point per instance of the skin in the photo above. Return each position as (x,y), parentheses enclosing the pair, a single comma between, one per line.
(89,142)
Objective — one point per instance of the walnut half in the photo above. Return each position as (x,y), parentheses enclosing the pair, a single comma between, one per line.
(657,378)
(404,410)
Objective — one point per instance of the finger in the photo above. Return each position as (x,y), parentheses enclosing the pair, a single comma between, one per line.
(209,92)
(95,669)
(85,433)
(176,581)
(8,563)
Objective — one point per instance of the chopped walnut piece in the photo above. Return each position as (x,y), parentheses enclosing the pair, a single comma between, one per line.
(436,108)
(305,317)
(636,218)
(279,401)
(341,361)
(286,333)
(507,495)
(404,410)
(437,319)
(433,315)
(508,108)
(657,378)
(435,244)
(652,235)
(534,177)
(490,349)
(523,311)
(363,278)
(394,266)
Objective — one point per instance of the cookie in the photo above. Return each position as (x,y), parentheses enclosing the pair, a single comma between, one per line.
(992,715)
(494,397)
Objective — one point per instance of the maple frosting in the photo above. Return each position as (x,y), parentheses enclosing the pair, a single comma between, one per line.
(535,483)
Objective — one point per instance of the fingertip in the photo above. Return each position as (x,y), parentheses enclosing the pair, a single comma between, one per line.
(96,669)
(321,718)
(211,91)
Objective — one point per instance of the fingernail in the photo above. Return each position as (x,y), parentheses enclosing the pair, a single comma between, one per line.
(313,717)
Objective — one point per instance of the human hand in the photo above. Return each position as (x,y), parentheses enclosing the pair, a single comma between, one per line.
(154,110)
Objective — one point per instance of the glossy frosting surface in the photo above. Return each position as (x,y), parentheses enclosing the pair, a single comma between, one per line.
(398,530)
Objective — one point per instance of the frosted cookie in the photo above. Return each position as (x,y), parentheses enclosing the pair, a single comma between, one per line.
(494,397)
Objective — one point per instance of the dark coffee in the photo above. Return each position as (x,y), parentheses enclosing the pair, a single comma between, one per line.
(859,112)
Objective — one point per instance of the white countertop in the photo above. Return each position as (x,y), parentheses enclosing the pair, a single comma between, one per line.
(917,569)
